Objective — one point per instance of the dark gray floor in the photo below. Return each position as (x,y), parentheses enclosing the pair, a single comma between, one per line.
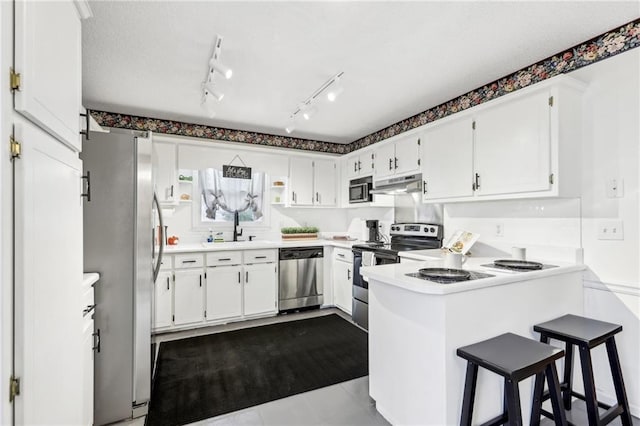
(578,415)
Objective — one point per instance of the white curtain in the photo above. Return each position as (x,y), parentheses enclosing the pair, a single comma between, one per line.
(221,196)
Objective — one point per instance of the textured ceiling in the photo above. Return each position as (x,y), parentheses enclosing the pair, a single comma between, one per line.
(398,58)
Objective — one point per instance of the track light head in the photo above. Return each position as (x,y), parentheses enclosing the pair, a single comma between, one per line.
(309,112)
(210,90)
(207,105)
(222,69)
(333,94)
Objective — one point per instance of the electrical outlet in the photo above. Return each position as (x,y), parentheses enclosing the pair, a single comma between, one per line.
(610,230)
(499,230)
(614,188)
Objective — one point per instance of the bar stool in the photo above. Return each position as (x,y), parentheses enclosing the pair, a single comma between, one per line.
(586,334)
(514,358)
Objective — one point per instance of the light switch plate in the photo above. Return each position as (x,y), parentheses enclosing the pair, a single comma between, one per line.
(610,230)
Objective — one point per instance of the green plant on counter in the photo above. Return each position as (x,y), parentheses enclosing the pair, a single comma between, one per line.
(300,230)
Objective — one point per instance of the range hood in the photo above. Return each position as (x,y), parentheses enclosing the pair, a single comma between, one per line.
(398,185)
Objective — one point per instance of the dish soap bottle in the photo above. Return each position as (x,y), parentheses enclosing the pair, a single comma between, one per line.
(210,237)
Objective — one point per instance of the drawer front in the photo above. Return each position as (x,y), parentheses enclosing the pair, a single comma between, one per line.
(167,262)
(188,261)
(260,256)
(88,302)
(343,254)
(221,258)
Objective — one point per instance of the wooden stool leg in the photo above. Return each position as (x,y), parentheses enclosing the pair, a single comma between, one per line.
(589,386)
(618,382)
(554,392)
(568,370)
(469,394)
(536,406)
(513,402)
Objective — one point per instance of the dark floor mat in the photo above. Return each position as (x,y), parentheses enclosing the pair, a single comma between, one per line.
(205,376)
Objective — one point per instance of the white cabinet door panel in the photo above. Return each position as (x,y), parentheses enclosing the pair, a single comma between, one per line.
(165,169)
(50,329)
(188,297)
(447,160)
(384,160)
(342,285)
(325,182)
(301,181)
(407,155)
(224,292)
(162,302)
(513,146)
(48,56)
(260,288)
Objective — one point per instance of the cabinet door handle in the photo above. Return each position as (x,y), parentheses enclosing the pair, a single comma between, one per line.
(390,164)
(359,165)
(246,277)
(348,274)
(355,166)
(224,259)
(200,280)
(317,198)
(340,255)
(87,178)
(238,277)
(477,181)
(188,261)
(396,162)
(96,341)
(171,191)
(424,186)
(88,310)
(167,283)
(260,257)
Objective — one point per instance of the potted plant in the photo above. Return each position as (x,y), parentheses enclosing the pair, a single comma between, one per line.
(299,233)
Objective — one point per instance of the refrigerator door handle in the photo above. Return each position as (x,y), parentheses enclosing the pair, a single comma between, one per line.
(156,268)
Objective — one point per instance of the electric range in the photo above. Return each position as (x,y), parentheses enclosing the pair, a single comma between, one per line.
(404,237)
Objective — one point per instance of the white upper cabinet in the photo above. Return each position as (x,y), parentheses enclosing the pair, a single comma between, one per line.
(447,160)
(400,157)
(312,182)
(522,145)
(513,146)
(48,57)
(166,172)
(324,180)
(360,164)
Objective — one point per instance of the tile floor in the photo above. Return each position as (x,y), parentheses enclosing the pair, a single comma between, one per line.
(346,403)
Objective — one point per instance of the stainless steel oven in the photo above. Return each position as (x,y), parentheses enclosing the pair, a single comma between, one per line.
(404,237)
(360,190)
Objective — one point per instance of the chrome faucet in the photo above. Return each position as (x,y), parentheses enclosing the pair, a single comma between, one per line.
(236,223)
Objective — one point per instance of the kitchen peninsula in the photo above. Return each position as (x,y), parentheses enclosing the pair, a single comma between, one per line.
(415,327)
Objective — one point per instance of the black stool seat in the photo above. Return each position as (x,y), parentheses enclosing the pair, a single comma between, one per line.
(515,358)
(586,334)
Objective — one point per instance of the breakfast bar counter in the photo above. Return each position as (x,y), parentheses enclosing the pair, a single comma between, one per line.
(415,327)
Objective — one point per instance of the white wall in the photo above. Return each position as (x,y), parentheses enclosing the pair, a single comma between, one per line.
(611,138)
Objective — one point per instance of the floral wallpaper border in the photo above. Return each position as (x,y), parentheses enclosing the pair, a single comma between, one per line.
(598,48)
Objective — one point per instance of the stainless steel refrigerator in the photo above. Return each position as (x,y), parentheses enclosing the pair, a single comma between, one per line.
(119,244)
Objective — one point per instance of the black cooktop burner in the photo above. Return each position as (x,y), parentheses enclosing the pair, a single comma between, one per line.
(516,269)
(473,275)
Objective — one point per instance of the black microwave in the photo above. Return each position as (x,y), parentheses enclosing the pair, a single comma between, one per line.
(360,190)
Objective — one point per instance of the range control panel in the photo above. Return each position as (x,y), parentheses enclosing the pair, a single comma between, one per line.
(416,229)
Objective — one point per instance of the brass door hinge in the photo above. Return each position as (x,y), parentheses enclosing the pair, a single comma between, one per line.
(14,388)
(551,179)
(14,80)
(15,147)
(551,101)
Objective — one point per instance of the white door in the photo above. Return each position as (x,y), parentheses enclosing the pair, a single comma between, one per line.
(165,172)
(342,283)
(50,329)
(384,160)
(447,160)
(260,288)
(301,181)
(513,146)
(48,56)
(407,158)
(162,300)
(324,180)
(188,297)
(224,292)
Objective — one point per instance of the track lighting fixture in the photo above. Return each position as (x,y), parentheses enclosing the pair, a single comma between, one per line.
(208,87)
(308,108)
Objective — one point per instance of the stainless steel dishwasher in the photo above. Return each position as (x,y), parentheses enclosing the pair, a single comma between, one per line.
(301,278)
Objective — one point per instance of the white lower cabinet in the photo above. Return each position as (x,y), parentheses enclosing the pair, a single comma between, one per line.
(260,287)
(224,292)
(188,296)
(343,279)
(162,301)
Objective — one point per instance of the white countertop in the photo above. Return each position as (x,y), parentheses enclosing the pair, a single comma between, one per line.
(395,274)
(255,245)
